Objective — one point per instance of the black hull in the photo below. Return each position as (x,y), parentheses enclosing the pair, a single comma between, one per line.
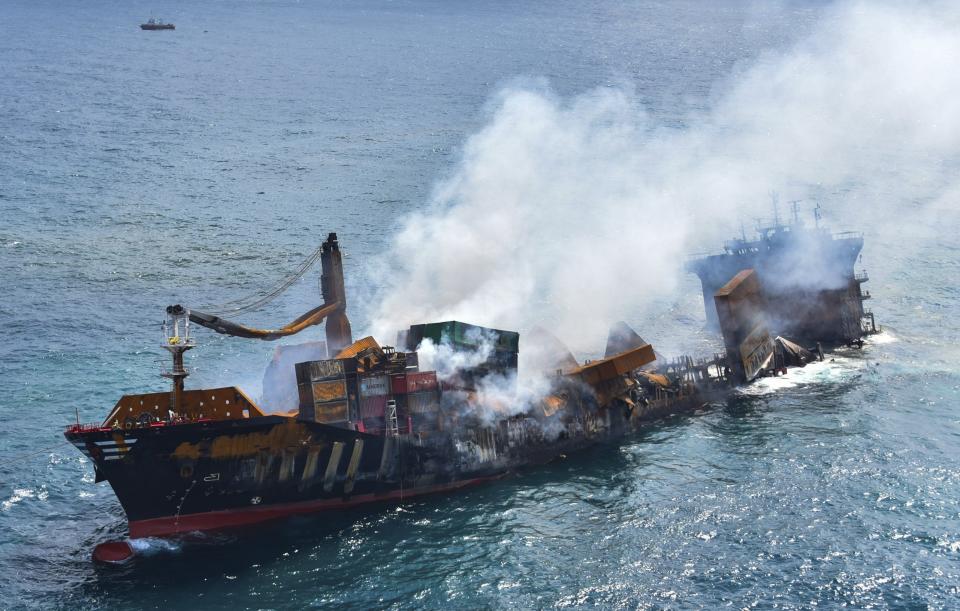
(210,475)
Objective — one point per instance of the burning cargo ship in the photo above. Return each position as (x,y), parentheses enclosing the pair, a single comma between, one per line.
(371,425)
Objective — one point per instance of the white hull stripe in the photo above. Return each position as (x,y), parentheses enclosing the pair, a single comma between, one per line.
(109,449)
(127,441)
(82,447)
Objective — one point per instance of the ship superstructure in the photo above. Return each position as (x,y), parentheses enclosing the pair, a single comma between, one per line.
(809,278)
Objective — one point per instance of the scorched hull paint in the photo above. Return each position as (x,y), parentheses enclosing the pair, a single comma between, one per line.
(211,475)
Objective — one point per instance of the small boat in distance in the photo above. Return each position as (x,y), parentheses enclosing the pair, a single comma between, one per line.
(156,24)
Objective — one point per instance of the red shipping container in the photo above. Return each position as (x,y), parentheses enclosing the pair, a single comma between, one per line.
(398,384)
(373,407)
(421,381)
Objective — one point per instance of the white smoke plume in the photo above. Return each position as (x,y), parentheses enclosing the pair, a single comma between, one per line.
(497,395)
(575,213)
(447,361)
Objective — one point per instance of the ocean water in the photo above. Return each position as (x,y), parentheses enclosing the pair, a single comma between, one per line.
(139,169)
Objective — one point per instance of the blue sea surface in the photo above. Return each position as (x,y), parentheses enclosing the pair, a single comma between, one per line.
(139,169)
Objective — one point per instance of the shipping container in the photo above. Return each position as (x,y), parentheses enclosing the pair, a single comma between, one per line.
(327,413)
(327,370)
(374,386)
(462,335)
(367,343)
(373,407)
(502,360)
(330,369)
(398,384)
(303,372)
(413,381)
(421,381)
(423,402)
(334,390)
(335,411)
(306,395)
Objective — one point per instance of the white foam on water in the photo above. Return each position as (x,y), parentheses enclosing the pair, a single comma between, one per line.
(884,337)
(953,546)
(831,370)
(149,546)
(18,495)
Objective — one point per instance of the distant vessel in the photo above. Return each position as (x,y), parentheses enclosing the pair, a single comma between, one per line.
(156,24)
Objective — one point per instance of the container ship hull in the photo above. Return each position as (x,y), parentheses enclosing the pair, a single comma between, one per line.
(198,476)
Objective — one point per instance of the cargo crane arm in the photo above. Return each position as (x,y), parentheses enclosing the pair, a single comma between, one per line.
(333,310)
(228,327)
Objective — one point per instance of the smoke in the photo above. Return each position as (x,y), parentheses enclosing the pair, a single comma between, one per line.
(575,213)
(497,393)
(502,396)
(448,361)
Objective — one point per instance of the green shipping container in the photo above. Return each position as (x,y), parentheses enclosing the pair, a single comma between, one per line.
(461,334)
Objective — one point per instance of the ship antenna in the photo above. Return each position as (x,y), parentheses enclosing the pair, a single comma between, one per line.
(775,200)
(177,344)
(817,215)
(795,205)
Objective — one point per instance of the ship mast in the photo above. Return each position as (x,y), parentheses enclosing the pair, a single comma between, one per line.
(177,318)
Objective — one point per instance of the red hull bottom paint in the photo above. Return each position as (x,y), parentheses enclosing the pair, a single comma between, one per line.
(114,552)
(214,520)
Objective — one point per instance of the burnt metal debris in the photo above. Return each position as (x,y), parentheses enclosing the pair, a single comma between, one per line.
(370,425)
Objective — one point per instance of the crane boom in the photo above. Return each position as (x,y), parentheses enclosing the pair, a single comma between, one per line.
(228,327)
(333,309)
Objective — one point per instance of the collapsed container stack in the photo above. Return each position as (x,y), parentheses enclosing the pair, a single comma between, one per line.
(327,389)
(363,386)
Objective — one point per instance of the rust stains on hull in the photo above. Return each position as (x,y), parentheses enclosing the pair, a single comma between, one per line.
(289,436)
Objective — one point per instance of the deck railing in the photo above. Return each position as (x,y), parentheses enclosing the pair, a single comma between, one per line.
(85,427)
